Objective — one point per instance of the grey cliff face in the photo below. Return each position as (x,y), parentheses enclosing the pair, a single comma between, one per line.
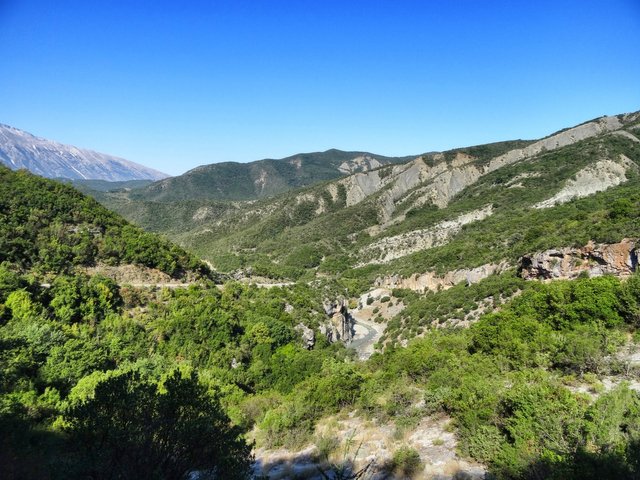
(307,334)
(340,324)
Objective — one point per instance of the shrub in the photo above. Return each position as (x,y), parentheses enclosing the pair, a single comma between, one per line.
(406,461)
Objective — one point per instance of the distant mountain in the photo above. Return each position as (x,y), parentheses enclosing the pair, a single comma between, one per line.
(20,149)
(261,178)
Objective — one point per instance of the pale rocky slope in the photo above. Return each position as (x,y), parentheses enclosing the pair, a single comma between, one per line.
(436,179)
(20,149)
(444,180)
(600,176)
(390,248)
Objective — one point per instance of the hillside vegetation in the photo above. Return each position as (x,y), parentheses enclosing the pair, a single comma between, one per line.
(259,179)
(101,380)
(374,223)
(48,227)
(528,379)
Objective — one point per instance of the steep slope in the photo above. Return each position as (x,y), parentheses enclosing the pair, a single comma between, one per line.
(459,209)
(51,228)
(543,383)
(262,178)
(20,149)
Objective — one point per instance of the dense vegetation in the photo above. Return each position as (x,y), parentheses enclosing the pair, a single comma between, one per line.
(49,227)
(508,384)
(81,358)
(84,358)
(100,380)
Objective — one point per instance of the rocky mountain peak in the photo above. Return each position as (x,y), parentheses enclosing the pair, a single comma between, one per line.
(20,149)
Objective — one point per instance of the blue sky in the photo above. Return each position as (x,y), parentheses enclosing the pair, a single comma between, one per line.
(174,85)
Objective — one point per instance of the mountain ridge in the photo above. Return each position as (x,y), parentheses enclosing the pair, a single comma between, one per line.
(51,159)
(261,178)
(438,269)
(374,221)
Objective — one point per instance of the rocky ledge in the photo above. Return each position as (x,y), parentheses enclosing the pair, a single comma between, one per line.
(432,282)
(593,260)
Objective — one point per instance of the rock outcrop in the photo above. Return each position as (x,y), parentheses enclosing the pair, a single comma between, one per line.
(307,334)
(340,323)
(362,163)
(390,248)
(438,183)
(432,282)
(620,259)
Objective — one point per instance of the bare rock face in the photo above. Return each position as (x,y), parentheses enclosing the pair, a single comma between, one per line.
(363,163)
(308,336)
(389,248)
(340,325)
(558,140)
(594,178)
(620,259)
(432,282)
(439,183)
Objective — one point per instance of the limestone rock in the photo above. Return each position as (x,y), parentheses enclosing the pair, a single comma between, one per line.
(439,183)
(340,324)
(592,179)
(308,335)
(620,259)
(362,163)
(389,248)
(430,281)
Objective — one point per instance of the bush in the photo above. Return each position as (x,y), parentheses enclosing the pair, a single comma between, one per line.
(325,446)
(406,462)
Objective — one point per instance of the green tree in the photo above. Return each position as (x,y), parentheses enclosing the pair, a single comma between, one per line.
(132,428)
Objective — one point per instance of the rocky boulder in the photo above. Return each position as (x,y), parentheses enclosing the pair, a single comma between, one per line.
(307,334)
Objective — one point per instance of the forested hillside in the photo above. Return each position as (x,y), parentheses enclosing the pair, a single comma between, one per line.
(501,286)
(261,178)
(97,378)
(462,208)
(48,227)
(100,380)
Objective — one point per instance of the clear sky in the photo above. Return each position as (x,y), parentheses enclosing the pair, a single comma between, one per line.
(173,85)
